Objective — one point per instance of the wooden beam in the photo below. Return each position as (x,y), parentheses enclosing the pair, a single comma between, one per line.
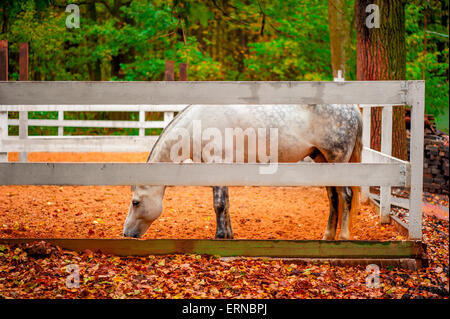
(3,113)
(395,201)
(372,156)
(239,247)
(399,225)
(416,99)
(169,72)
(366,113)
(23,115)
(386,148)
(23,62)
(80,144)
(201,174)
(204,92)
(93,123)
(183,72)
(3,60)
(94,108)
(405,263)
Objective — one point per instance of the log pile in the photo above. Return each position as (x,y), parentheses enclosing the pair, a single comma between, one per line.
(435,166)
(436,160)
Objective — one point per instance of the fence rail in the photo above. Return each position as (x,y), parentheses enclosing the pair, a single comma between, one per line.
(79,144)
(199,174)
(218,93)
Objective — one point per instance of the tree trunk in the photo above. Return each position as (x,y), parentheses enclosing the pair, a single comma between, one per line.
(381,55)
(339,19)
(5,17)
(95,72)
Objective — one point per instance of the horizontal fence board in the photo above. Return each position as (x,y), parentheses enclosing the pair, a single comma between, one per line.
(93,108)
(91,123)
(80,144)
(373,156)
(205,92)
(395,201)
(200,174)
(239,247)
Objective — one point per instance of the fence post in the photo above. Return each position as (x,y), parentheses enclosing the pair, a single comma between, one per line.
(60,123)
(3,60)
(3,114)
(416,99)
(386,148)
(23,115)
(365,190)
(169,73)
(141,120)
(183,72)
(169,76)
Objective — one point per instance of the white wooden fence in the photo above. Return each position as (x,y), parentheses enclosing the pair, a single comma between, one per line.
(61,143)
(376,169)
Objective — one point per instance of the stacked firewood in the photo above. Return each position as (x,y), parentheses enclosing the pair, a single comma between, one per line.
(436,160)
(435,167)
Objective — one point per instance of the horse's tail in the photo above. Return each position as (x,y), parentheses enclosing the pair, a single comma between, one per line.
(356,158)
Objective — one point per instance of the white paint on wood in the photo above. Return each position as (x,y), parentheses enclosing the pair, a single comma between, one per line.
(416,99)
(80,144)
(93,108)
(92,123)
(372,156)
(395,201)
(3,135)
(23,133)
(168,117)
(142,121)
(60,123)
(204,92)
(386,148)
(366,144)
(201,174)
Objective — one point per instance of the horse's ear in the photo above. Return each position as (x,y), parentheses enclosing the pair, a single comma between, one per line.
(133,187)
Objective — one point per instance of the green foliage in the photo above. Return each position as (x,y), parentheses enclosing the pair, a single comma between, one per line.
(435,58)
(299,50)
(219,40)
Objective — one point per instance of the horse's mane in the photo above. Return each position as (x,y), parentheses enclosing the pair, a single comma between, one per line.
(166,129)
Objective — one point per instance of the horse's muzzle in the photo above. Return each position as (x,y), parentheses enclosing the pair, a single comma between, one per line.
(133,235)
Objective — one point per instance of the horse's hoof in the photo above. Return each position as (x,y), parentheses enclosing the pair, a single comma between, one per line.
(327,237)
(224,235)
(344,237)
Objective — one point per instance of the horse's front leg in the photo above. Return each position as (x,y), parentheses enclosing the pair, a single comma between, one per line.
(333,198)
(221,207)
(347,197)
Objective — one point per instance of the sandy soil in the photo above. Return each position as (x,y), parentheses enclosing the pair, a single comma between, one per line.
(99,211)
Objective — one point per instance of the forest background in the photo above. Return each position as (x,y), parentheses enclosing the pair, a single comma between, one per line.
(226,40)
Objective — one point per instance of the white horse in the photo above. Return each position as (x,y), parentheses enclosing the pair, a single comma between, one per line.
(325,133)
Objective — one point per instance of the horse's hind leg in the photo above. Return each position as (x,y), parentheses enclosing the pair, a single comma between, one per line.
(346,195)
(333,197)
(221,207)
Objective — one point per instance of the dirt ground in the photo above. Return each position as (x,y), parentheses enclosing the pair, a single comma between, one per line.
(99,211)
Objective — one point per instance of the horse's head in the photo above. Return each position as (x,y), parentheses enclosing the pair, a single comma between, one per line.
(146,206)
